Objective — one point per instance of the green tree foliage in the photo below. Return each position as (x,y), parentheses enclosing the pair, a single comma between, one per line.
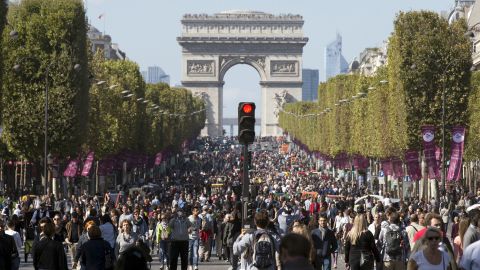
(472,144)
(135,123)
(3,13)
(180,117)
(426,55)
(116,123)
(51,36)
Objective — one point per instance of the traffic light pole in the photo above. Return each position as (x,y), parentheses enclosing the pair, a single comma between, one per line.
(245,186)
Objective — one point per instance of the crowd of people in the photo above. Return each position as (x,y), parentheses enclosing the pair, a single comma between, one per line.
(297,218)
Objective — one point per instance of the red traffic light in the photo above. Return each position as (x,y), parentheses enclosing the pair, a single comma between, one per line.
(247,108)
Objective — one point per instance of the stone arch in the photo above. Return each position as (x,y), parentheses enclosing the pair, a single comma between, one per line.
(256,63)
(272,45)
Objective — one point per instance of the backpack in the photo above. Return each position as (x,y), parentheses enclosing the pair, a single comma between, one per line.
(29,232)
(263,250)
(393,242)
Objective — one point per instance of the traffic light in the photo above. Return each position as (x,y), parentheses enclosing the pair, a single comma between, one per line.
(246,122)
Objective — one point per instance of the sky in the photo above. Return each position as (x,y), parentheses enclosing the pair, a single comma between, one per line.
(146,30)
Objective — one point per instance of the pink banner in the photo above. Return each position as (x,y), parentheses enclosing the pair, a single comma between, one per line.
(413,165)
(428,135)
(397,164)
(158,158)
(360,162)
(438,157)
(71,169)
(88,163)
(455,168)
(387,167)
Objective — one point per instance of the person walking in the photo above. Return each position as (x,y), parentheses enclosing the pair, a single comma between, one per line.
(8,248)
(96,253)
(457,242)
(109,231)
(126,239)
(413,228)
(162,233)
(82,240)
(139,226)
(393,241)
(360,248)
(126,215)
(194,238)
(295,252)
(48,253)
(74,230)
(60,232)
(18,243)
(180,228)
(264,244)
(472,234)
(206,235)
(428,255)
(325,243)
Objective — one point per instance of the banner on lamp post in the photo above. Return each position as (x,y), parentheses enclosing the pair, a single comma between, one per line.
(71,169)
(413,165)
(428,135)
(398,167)
(455,167)
(387,167)
(88,164)
(158,158)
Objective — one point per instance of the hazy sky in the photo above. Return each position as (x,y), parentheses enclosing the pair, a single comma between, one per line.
(147,29)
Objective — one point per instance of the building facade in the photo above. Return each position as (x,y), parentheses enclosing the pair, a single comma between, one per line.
(470,11)
(102,42)
(310,84)
(371,59)
(335,63)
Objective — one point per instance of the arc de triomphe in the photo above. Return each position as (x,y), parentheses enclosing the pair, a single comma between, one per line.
(273,45)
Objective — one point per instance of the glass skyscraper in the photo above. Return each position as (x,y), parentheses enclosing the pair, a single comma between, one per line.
(155,75)
(310,84)
(335,63)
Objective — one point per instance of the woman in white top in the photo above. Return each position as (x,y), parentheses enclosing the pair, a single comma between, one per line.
(428,256)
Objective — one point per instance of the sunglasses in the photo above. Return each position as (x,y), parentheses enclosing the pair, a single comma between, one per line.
(435,238)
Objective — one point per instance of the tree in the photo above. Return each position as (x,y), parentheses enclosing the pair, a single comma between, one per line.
(472,144)
(3,21)
(359,115)
(116,123)
(182,116)
(51,39)
(426,57)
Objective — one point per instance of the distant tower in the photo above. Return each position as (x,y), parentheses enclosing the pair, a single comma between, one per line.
(156,74)
(335,63)
(310,84)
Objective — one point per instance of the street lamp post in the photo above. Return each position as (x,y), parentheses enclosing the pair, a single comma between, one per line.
(443,136)
(76,67)
(17,67)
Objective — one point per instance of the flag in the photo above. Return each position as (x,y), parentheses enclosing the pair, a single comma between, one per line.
(87,165)
(428,134)
(455,167)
